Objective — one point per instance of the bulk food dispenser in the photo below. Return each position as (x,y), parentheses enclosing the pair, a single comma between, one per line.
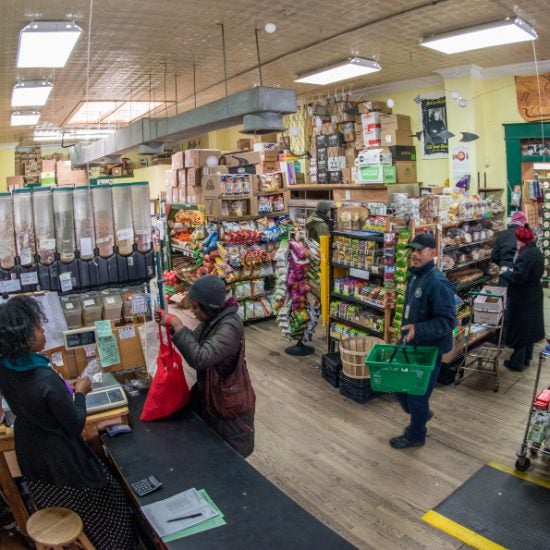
(141,212)
(24,239)
(124,231)
(102,204)
(7,242)
(88,269)
(44,233)
(65,239)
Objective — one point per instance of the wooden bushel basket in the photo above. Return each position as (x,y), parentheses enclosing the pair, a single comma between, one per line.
(353,352)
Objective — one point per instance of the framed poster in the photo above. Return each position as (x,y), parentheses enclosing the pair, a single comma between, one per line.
(434,128)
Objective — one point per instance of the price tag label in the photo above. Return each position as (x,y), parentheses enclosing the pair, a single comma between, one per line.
(87,303)
(11,285)
(57,359)
(127,333)
(47,244)
(29,278)
(110,300)
(139,305)
(68,305)
(86,248)
(26,256)
(124,234)
(143,232)
(66,281)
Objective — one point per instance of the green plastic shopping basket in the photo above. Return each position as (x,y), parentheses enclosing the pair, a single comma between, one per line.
(405,369)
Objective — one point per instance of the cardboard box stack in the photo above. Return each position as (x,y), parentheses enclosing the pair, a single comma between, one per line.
(397,135)
(183,182)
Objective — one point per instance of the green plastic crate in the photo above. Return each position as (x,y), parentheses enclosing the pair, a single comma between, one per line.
(401,375)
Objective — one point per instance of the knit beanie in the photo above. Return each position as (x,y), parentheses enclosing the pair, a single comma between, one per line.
(518,218)
(209,291)
(323,207)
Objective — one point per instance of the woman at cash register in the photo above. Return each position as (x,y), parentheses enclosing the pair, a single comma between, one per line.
(60,469)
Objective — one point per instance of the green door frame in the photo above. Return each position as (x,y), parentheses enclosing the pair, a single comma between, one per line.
(513,134)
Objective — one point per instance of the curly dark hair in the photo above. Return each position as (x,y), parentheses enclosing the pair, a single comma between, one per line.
(19,318)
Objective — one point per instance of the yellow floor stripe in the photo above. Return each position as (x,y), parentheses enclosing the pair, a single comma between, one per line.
(522,475)
(459,532)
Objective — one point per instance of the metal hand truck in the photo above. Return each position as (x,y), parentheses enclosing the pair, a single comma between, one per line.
(483,359)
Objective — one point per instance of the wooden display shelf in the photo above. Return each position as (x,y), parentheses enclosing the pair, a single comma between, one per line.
(461,287)
(462,245)
(357,325)
(321,186)
(372,270)
(465,264)
(356,301)
(489,190)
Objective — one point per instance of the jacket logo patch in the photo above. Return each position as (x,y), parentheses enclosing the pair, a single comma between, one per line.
(418,293)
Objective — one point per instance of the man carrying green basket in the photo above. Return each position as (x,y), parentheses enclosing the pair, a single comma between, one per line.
(428,320)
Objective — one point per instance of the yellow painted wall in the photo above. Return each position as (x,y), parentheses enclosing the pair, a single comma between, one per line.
(7,166)
(226,139)
(155,175)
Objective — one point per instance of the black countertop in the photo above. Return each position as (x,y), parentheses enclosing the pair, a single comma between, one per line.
(183,452)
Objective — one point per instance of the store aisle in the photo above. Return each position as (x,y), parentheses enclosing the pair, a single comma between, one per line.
(332,455)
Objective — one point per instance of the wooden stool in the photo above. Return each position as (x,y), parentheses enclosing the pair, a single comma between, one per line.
(54,528)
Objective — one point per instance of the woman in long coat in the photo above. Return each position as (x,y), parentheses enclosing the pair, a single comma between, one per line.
(525,300)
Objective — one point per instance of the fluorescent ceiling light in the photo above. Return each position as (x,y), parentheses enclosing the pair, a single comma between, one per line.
(31,93)
(112,112)
(47,43)
(352,68)
(508,31)
(72,134)
(25,118)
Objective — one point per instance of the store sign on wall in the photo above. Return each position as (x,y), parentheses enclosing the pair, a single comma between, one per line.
(462,166)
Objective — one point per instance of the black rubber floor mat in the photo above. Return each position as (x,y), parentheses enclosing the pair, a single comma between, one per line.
(498,507)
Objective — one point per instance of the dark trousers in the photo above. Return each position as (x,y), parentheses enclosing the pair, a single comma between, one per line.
(418,407)
(520,356)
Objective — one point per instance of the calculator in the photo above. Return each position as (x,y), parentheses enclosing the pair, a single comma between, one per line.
(145,486)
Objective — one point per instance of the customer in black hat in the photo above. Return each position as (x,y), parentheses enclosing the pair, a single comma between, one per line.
(428,320)
(214,349)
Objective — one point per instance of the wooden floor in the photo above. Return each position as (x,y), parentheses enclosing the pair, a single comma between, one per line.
(332,455)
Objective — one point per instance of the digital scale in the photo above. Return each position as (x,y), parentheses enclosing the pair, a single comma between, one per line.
(106,395)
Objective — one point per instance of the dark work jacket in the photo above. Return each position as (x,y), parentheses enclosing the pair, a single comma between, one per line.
(504,248)
(216,344)
(48,429)
(430,307)
(525,298)
(316,227)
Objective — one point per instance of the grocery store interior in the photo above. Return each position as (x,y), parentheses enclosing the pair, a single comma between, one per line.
(173,140)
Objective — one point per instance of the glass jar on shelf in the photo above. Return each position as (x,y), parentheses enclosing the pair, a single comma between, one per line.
(84,222)
(64,223)
(24,226)
(102,202)
(44,230)
(141,212)
(7,243)
(122,215)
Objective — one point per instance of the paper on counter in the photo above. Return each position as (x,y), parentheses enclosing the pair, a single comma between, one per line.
(186,503)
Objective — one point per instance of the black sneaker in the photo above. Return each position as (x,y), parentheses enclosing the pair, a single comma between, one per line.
(401,442)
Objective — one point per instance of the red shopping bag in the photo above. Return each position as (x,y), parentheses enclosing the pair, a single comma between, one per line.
(169,391)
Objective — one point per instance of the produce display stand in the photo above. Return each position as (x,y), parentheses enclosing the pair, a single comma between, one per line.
(523,462)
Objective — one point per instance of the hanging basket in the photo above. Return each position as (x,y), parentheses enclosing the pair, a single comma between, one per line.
(353,352)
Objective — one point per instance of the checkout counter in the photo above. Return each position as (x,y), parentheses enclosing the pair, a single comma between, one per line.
(183,452)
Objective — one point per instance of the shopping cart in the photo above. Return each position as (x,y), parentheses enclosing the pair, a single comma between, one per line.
(541,445)
(484,359)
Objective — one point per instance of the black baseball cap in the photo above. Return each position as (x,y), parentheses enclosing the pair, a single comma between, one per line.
(421,241)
